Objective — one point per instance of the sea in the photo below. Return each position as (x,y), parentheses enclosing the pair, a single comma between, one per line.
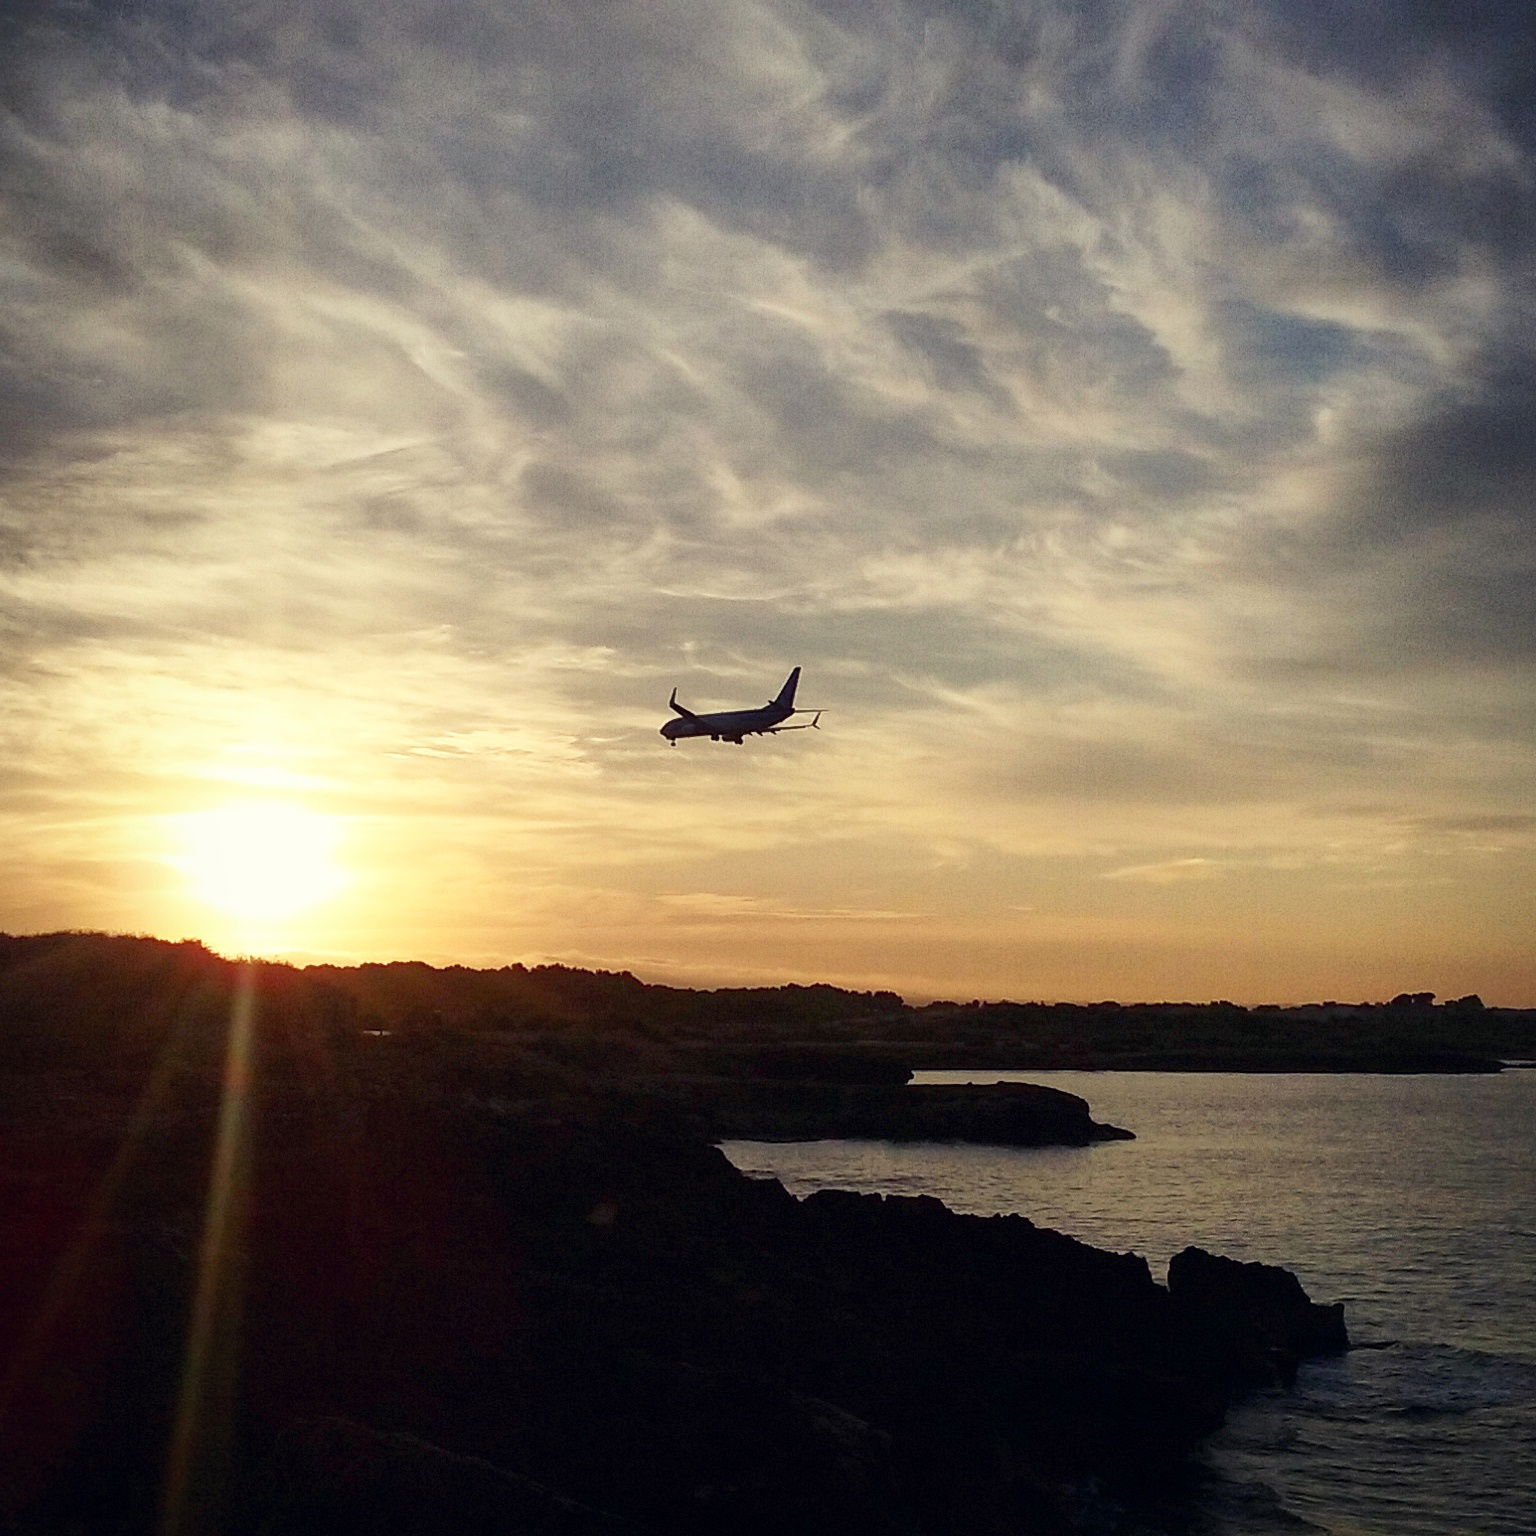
(1411,1199)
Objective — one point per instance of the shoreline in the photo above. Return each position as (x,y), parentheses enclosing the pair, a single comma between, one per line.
(477,1281)
(456,1316)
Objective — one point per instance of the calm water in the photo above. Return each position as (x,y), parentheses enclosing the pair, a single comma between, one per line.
(1410,1199)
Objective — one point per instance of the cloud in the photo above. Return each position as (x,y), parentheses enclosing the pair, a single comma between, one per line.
(716,906)
(1169,872)
(1115,408)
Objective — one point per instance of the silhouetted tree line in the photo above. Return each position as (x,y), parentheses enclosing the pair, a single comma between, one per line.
(77,1000)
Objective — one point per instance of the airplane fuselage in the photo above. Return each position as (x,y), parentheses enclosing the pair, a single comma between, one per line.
(728,724)
(735,725)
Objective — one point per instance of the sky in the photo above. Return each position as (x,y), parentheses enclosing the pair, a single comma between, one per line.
(1124,412)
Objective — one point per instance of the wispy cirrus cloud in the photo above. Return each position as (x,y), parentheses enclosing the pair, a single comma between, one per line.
(1168,872)
(1118,409)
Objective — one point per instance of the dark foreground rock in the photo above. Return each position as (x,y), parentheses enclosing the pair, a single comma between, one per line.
(334,1477)
(1258,1316)
(432,1313)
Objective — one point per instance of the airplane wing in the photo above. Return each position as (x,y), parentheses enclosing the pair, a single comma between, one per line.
(672,703)
(813,725)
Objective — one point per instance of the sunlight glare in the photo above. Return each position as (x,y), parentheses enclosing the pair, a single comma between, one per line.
(259,859)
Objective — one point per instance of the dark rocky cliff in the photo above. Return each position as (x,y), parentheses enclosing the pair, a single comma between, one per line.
(444,1317)
(340,1282)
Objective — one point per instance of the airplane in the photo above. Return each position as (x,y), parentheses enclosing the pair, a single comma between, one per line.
(734,725)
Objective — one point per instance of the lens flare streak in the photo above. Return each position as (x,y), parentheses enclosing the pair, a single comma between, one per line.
(198,1456)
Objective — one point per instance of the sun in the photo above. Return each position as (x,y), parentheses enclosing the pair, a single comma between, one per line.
(259,860)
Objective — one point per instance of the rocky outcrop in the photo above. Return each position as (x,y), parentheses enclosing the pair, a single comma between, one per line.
(1257,1315)
(993,1114)
(452,1316)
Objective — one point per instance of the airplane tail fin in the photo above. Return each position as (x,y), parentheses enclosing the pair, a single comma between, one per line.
(786,695)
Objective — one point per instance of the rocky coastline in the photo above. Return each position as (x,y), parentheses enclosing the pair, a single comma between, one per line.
(316,1279)
(451,1316)
(993,1114)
